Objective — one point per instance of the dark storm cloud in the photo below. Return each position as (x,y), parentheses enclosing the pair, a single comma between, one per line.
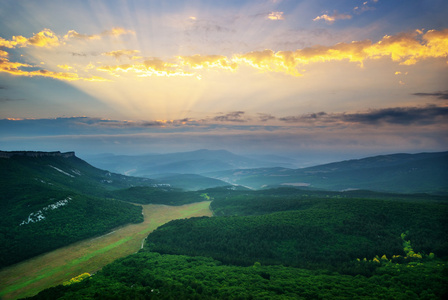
(427,115)
(440,95)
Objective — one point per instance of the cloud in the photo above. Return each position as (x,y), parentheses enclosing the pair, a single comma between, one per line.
(275,16)
(427,115)
(364,7)
(96,135)
(119,53)
(235,116)
(404,48)
(265,117)
(440,95)
(65,67)
(330,19)
(45,38)
(16,69)
(268,60)
(150,67)
(116,31)
(48,39)
(207,61)
(72,34)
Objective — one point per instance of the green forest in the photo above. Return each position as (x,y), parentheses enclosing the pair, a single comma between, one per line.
(58,218)
(50,202)
(285,244)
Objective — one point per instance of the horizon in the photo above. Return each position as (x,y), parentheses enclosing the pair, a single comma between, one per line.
(320,81)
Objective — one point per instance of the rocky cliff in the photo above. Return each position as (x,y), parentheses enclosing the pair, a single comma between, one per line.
(9,154)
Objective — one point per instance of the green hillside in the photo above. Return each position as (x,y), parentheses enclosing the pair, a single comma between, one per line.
(64,172)
(48,200)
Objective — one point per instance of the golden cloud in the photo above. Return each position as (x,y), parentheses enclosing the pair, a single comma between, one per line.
(276,16)
(404,48)
(152,67)
(14,68)
(116,31)
(16,41)
(270,61)
(208,61)
(45,38)
(65,67)
(73,34)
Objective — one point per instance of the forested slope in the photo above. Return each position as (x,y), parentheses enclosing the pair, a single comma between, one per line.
(306,232)
(48,200)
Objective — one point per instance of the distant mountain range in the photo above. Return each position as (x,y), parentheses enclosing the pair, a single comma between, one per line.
(193,162)
(399,173)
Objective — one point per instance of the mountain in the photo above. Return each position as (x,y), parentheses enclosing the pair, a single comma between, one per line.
(62,171)
(193,162)
(51,199)
(401,173)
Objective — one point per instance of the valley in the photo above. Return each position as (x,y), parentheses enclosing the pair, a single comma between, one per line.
(69,230)
(52,268)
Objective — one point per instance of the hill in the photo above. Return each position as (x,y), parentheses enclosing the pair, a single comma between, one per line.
(62,171)
(51,199)
(398,173)
(192,162)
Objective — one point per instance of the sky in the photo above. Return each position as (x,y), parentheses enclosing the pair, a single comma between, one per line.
(314,78)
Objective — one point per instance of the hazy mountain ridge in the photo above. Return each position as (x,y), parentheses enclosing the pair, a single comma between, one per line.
(408,173)
(192,162)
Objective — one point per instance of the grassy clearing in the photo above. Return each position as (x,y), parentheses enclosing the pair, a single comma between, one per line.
(31,276)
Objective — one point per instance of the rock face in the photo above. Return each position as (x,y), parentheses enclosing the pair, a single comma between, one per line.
(9,154)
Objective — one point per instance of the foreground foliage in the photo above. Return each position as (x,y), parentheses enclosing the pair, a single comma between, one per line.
(148,275)
(284,245)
